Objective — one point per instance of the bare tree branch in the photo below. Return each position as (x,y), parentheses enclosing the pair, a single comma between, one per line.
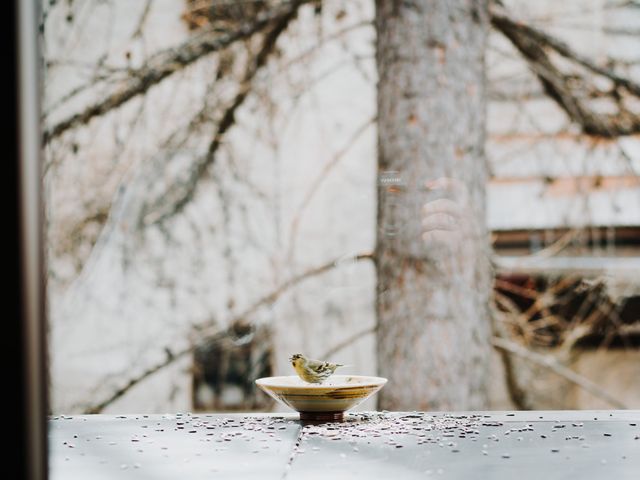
(502,22)
(517,393)
(119,393)
(533,44)
(313,272)
(242,318)
(183,193)
(557,368)
(348,341)
(168,62)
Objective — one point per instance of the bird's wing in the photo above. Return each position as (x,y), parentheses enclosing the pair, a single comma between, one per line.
(316,366)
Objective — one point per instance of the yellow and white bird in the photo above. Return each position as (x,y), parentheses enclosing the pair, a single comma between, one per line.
(313,371)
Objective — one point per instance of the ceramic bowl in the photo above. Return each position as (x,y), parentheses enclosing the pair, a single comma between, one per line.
(321,402)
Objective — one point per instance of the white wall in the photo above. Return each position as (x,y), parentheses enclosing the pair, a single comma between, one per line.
(141,290)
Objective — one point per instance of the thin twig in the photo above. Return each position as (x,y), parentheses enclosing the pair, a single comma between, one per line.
(143,19)
(348,341)
(313,272)
(339,155)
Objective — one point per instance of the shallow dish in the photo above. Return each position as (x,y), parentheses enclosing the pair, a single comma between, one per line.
(321,402)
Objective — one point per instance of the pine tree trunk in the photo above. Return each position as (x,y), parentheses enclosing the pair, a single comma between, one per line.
(433,272)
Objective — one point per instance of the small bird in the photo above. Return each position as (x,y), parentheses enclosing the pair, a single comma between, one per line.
(312,371)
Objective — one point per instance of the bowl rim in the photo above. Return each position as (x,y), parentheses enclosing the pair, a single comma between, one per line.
(372,381)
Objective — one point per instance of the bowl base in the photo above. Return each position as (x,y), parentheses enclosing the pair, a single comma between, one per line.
(321,417)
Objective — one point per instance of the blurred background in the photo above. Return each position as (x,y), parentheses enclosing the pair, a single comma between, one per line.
(213,193)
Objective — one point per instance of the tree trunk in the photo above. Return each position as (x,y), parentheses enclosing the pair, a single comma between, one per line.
(433,271)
